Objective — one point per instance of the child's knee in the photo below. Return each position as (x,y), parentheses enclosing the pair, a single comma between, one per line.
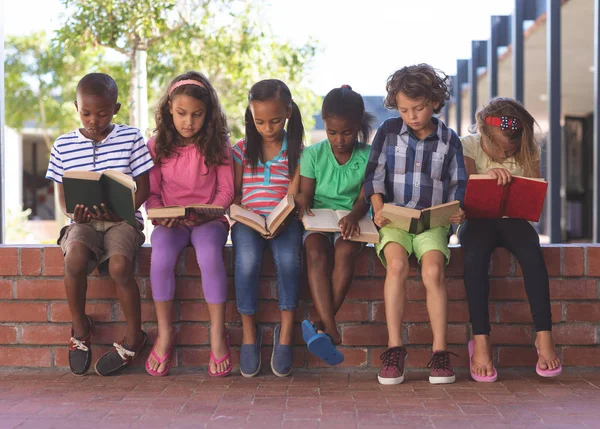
(432,274)
(398,267)
(120,269)
(77,259)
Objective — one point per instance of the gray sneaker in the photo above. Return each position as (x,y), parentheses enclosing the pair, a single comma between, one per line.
(281,358)
(250,356)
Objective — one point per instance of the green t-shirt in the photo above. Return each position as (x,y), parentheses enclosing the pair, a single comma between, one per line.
(338,186)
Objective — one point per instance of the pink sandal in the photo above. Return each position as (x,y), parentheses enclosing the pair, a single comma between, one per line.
(160,360)
(217,362)
(479,378)
(547,372)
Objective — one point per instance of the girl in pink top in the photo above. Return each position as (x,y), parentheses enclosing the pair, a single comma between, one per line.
(193,165)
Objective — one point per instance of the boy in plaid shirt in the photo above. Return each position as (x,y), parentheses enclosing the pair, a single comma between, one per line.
(416,161)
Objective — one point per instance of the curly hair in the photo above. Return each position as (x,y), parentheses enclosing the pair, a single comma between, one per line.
(212,139)
(416,81)
(346,103)
(528,154)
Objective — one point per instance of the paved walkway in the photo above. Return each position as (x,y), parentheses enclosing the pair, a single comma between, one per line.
(307,400)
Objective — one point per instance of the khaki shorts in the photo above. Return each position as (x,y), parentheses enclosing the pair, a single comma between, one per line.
(104,239)
(419,244)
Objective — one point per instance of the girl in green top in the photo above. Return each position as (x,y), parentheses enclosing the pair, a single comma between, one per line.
(331,176)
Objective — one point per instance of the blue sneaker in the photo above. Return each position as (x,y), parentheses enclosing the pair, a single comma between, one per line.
(281,358)
(250,356)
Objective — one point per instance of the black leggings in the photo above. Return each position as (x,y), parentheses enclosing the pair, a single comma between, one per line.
(479,238)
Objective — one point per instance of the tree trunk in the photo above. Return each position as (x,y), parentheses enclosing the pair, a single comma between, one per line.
(132,90)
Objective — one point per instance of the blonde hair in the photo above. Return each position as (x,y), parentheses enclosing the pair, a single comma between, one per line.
(527,155)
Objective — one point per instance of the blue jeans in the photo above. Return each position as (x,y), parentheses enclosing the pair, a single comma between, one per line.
(286,248)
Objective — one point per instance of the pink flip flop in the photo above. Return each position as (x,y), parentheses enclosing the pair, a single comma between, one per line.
(548,373)
(479,378)
(214,359)
(160,360)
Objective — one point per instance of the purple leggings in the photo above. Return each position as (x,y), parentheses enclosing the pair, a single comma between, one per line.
(208,239)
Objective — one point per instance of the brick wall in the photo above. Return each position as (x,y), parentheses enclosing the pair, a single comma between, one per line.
(34,317)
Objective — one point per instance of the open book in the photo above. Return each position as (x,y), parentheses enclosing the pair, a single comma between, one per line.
(114,189)
(170,212)
(326,220)
(522,198)
(416,221)
(268,225)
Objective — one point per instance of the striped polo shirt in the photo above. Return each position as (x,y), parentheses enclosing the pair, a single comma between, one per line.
(123,150)
(268,185)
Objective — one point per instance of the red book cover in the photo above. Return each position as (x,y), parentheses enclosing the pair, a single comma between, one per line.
(522,198)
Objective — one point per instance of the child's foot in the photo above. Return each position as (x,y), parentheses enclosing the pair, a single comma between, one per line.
(80,350)
(219,347)
(482,363)
(162,347)
(250,361)
(392,366)
(121,356)
(547,359)
(441,368)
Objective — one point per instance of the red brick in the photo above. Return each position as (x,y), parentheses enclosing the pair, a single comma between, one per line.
(572,289)
(143,261)
(98,311)
(6,289)
(458,311)
(25,356)
(582,312)
(198,312)
(502,263)
(456,288)
(553,260)
(520,312)
(8,334)
(575,334)
(361,264)
(190,263)
(194,334)
(593,261)
(348,312)
(61,355)
(268,312)
(581,356)
(366,289)
(101,288)
(54,263)
(50,333)
(9,257)
(507,288)
(517,356)
(267,268)
(267,289)
(23,312)
(353,358)
(187,289)
(31,261)
(422,334)
(511,334)
(414,290)
(416,311)
(364,335)
(108,333)
(40,289)
(573,262)
(456,266)
(148,312)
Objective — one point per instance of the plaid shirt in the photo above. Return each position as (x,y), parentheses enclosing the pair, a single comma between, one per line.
(415,173)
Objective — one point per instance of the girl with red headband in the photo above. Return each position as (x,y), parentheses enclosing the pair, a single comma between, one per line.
(193,165)
(503,146)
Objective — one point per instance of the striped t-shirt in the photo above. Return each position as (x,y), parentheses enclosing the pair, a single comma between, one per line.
(268,185)
(123,150)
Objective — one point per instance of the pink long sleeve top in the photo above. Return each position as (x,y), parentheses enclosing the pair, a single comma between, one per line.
(185,179)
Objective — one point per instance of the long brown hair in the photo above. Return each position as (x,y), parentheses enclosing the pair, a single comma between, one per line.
(212,139)
(527,155)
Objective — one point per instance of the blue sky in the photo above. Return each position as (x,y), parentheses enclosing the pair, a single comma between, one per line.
(360,43)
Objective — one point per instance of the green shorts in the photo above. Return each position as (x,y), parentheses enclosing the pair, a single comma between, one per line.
(419,244)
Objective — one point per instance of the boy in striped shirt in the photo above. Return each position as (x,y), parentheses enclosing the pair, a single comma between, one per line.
(96,238)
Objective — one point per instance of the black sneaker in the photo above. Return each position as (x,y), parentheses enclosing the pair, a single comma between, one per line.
(80,351)
(121,357)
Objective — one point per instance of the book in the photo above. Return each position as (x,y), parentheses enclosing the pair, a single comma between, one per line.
(265,225)
(522,198)
(327,220)
(110,187)
(416,221)
(171,212)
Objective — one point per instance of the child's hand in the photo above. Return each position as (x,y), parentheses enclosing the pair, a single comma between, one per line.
(81,214)
(198,219)
(104,213)
(168,222)
(302,206)
(502,174)
(349,227)
(379,220)
(458,217)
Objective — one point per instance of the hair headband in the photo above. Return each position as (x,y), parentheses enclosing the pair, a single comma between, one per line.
(185,82)
(504,122)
